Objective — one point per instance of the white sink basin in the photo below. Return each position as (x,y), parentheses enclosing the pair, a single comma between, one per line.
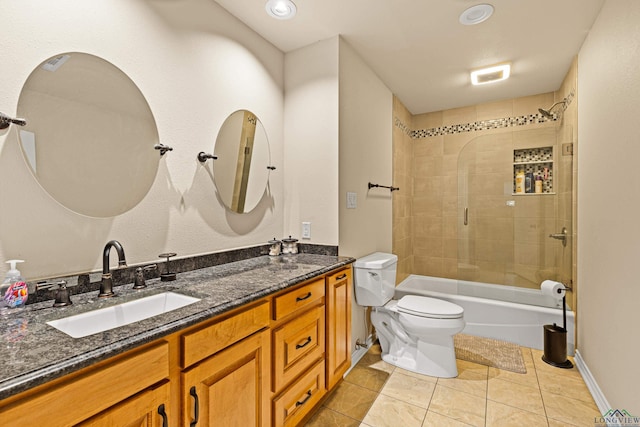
(92,322)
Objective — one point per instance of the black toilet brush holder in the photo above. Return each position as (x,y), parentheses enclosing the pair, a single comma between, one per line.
(555,342)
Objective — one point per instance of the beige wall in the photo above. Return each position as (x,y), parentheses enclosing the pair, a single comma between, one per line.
(312,138)
(365,156)
(609,202)
(195,64)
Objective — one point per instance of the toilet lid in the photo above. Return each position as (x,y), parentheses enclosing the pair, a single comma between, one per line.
(429,307)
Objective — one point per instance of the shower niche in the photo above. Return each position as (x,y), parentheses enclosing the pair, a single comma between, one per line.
(533,165)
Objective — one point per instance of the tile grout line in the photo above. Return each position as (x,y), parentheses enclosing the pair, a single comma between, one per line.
(486,400)
(535,369)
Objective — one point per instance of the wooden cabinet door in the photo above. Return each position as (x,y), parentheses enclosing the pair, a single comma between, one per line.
(148,408)
(338,306)
(230,388)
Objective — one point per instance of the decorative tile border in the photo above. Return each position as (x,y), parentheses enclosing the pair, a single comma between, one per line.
(505,122)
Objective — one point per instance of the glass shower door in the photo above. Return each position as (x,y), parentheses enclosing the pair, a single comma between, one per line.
(504,237)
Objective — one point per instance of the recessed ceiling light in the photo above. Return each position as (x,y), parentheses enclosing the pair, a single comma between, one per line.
(492,74)
(281,9)
(476,14)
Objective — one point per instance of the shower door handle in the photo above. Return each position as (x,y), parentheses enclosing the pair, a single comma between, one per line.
(466,216)
(560,236)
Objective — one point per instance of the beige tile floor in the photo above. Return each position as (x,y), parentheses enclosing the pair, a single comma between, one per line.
(376,394)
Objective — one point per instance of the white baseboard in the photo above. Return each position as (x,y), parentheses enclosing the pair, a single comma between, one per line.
(359,353)
(592,385)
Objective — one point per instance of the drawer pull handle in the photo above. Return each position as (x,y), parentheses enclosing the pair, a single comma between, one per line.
(306,342)
(303,401)
(163,413)
(341,277)
(307,296)
(196,406)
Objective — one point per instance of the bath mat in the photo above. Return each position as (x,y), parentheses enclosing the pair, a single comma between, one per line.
(489,352)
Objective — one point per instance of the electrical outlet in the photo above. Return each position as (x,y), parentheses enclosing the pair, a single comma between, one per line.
(306,230)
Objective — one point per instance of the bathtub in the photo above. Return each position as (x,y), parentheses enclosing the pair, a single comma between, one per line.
(501,312)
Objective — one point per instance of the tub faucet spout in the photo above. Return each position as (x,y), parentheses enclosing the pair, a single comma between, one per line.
(106,285)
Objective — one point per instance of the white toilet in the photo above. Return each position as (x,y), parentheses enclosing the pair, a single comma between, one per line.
(415,332)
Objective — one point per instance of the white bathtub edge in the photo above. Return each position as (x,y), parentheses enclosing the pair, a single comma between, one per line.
(592,385)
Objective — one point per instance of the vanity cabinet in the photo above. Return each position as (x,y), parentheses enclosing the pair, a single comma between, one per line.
(226,380)
(267,363)
(338,306)
(132,386)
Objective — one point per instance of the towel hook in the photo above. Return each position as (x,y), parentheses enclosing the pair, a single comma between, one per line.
(5,121)
(162,148)
(203,157)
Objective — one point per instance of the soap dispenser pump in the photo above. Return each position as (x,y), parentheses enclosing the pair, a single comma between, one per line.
(13,291)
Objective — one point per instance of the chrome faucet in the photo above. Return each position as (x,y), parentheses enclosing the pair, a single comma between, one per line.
(106,286)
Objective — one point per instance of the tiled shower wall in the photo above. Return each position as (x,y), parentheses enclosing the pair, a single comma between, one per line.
(426,152)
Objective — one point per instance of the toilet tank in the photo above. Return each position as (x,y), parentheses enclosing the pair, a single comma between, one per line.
(375,279)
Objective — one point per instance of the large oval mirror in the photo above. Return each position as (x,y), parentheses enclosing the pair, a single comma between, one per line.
(90,135)
(241,170)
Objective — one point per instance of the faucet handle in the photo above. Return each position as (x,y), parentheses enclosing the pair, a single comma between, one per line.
(62,293)
(62,296)
(140,279)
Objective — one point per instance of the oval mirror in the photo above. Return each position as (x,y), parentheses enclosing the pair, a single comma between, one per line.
(90,135)
(241,170)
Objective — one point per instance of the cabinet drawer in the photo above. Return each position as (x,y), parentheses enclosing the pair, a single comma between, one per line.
(297,345)
(334,278)
(296,402)
(297,299)
(209,340)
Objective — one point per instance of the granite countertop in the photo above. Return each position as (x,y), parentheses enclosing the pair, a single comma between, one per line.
(33,352)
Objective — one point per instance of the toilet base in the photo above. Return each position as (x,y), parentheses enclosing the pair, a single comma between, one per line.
(436,359)
(432,355)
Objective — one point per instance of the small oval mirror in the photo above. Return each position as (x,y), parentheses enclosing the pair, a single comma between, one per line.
(90,135)
(241,171)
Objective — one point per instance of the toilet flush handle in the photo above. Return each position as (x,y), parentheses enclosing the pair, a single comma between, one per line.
(373,274)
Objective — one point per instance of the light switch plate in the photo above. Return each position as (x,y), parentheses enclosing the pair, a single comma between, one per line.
(352,200)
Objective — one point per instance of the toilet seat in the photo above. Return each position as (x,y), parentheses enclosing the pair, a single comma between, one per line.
(431,308)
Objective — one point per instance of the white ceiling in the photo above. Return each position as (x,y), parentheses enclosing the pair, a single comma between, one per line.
(422,53)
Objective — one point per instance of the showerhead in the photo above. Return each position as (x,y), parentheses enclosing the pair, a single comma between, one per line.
(548,112)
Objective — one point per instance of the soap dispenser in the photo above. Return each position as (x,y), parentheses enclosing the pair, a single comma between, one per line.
(14,290)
